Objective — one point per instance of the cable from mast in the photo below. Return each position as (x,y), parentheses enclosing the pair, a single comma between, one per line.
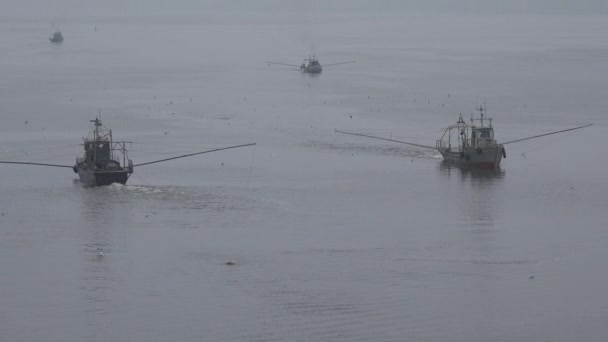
(542,135)
(30,163)
(392,140)
(193,154)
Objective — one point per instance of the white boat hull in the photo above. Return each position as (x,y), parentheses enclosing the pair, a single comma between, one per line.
(489,156)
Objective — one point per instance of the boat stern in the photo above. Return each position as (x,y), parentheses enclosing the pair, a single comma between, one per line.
(487,157)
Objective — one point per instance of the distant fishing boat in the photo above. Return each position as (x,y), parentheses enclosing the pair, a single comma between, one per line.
(57,37)
(470,144)
(310,65)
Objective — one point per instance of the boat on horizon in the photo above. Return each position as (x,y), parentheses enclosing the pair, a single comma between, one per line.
(310,65)
(57,37)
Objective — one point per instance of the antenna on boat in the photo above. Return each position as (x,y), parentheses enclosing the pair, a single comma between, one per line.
(481,110)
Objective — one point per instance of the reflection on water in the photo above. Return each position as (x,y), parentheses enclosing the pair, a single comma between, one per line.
(475,174)
(478,193)
(107,216)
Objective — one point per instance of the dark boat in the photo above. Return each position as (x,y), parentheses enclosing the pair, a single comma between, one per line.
(311,66)
(100,164)
(57,37)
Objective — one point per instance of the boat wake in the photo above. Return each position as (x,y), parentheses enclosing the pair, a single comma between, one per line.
(382,150)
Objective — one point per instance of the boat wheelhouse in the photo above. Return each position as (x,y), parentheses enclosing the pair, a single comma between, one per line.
(100,164)
(468,144)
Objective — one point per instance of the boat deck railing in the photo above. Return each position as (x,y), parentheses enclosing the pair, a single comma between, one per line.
(442,145)
(445,146)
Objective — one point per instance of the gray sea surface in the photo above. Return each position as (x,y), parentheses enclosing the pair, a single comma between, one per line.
(334,237)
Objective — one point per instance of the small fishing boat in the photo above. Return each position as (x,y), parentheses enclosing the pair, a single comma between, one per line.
(100,164)
(472,145)
(310,65)
(57,37)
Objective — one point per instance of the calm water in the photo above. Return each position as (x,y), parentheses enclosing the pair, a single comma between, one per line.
(335,238)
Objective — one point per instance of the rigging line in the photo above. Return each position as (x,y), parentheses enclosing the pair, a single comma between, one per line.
(46,153)
(292,65)
(542,135)
(42,149)
(193,154)
(408,137)
(168,143)
(30,163)
(156,152)
(339,63)
(547,142)
(51,158)
(393,140)
(44,160)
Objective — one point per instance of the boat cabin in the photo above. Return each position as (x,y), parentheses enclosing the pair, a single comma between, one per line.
(482,136)
(461,136)
(97,151)
(100,150)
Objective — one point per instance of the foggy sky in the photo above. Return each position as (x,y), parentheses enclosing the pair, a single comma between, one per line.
(43,8)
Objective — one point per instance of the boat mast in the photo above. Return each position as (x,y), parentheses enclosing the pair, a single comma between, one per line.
(481,110)
(95,136)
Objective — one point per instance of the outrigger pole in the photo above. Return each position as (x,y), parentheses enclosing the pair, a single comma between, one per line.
(142,164)
(193,154)
(29,163)
(542,135)
(435,148)
(392,140)
(349,62)
(292,65)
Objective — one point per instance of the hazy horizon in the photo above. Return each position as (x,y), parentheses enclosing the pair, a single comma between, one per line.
(68,8)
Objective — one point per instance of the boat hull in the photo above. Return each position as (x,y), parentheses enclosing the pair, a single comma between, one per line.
(314,69)
(100,178)
(487,157)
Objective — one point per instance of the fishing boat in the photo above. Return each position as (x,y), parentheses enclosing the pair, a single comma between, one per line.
(57,37)
(100,164)
(310,65)
(105,160)
(470,144)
